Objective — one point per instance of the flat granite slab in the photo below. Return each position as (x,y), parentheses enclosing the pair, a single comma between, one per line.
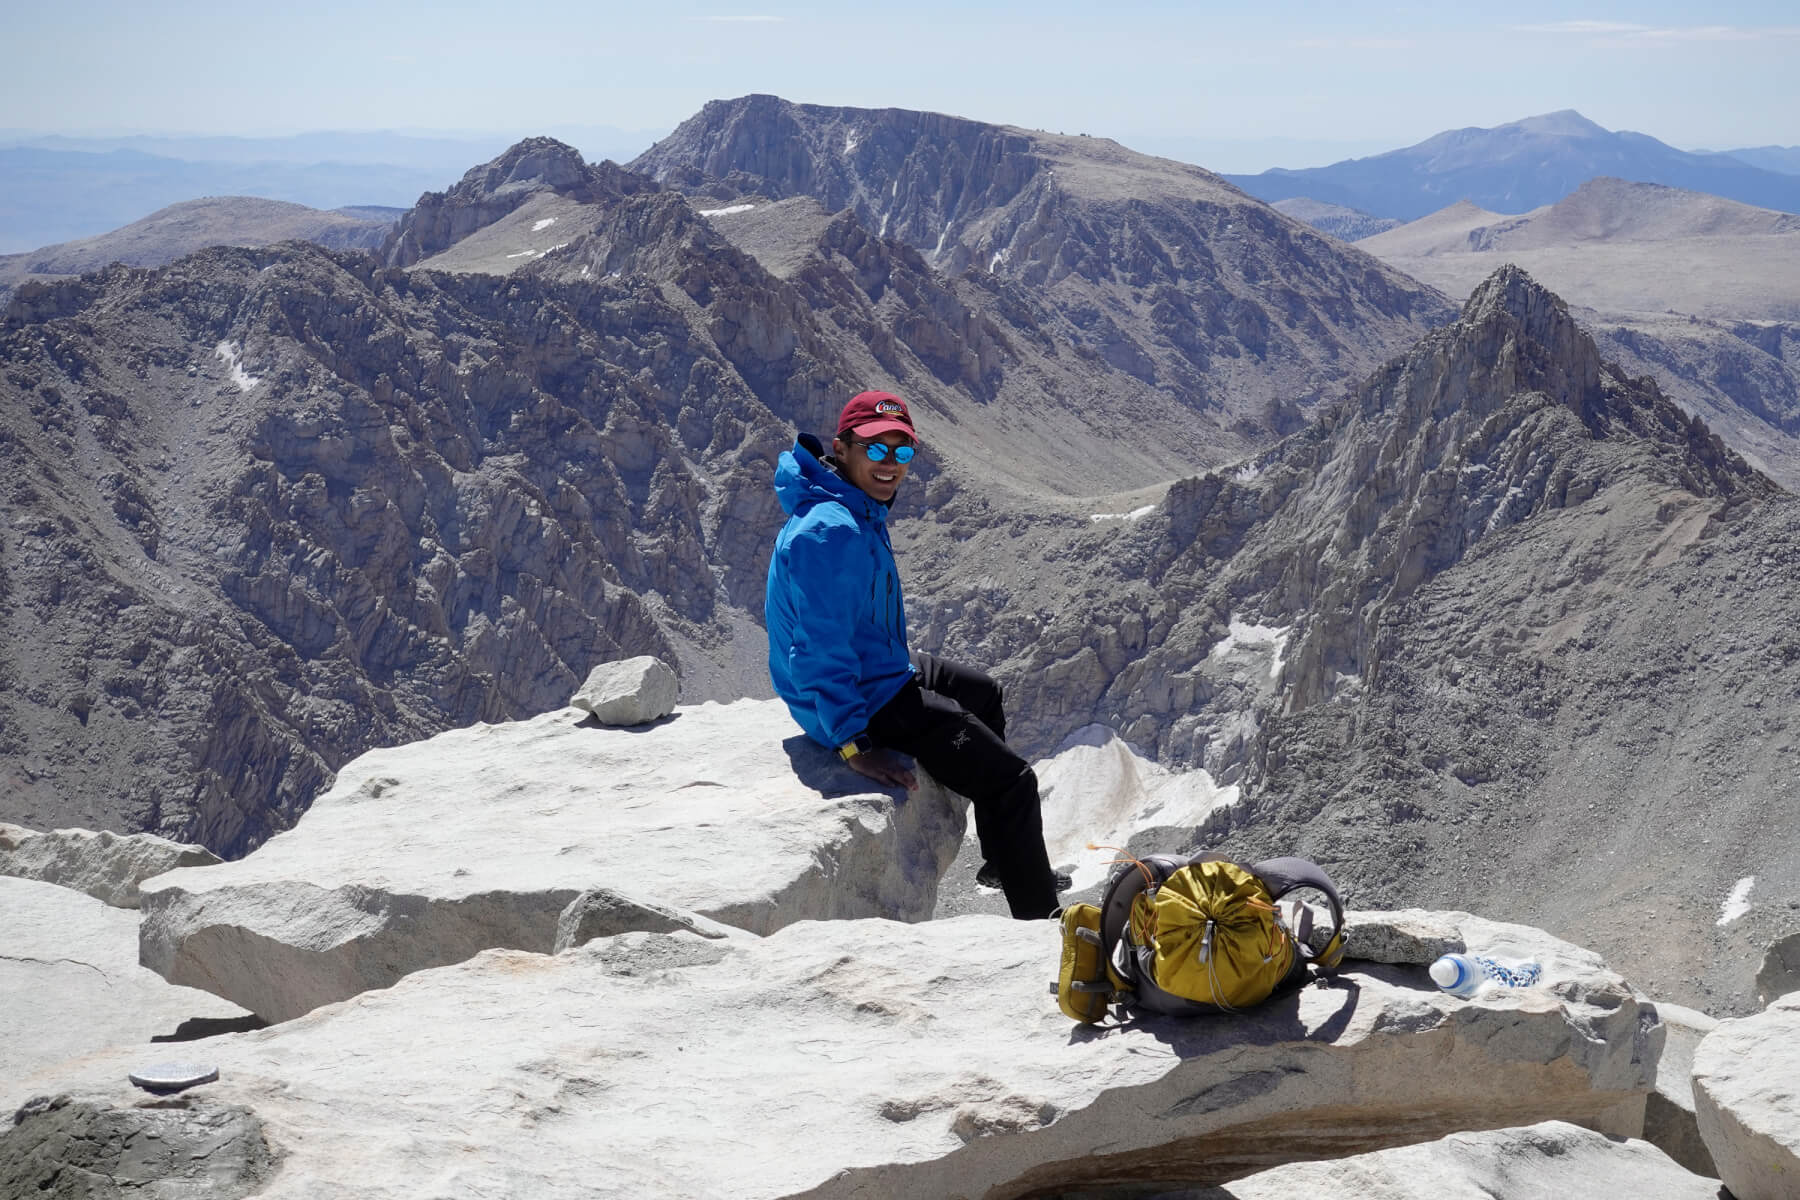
(873,1058)
(1551,1159)
(426,854)
(1747,1100)
(70,983)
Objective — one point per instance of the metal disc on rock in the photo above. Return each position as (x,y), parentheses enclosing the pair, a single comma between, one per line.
(173,1076)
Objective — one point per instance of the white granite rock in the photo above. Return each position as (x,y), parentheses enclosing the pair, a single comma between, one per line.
(107,866)
(602,912)
(425,854)
(1669,1122)
(1551,1159)
(633,691)
(1747,1101)
(70,982)
(877,1059)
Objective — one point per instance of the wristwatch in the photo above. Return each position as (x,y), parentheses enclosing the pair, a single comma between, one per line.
(860,744)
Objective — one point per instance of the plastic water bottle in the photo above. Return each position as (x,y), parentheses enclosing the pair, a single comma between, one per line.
(1466,974)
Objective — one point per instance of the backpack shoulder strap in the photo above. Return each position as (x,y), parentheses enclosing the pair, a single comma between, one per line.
(1115,906)
(1283,875)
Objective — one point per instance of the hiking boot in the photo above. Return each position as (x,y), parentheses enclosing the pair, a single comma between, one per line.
(988,877)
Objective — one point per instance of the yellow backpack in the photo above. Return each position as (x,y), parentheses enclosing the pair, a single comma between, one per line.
(1188,936)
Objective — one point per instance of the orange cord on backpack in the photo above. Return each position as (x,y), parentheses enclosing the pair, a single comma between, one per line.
(1149,876)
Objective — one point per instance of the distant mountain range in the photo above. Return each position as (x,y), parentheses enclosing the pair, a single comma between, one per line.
(1524,165)
(60,189)
(1700,291)
(1618,247)
(1785,159)
(169,233)
(1345,224)
(60,196)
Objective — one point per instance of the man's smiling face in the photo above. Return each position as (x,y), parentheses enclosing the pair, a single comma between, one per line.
(879,479)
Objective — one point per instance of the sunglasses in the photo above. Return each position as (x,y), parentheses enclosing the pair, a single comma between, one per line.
(878,451)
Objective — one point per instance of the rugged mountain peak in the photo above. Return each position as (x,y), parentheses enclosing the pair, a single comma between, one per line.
(1506,415)
(844,157)
(1155,270)
(1550,354)
(536,162)
(1564,122)
(1513,300)
(918,176)
(491,191)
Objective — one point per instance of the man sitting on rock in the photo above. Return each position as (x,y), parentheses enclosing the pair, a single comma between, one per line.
(838,652)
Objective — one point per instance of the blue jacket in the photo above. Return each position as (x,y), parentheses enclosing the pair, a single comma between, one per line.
(837,626)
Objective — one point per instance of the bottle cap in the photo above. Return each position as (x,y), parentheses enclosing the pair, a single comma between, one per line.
(1446,972)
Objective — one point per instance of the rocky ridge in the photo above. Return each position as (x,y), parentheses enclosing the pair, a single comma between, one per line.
(1345,224)
(181,229)
(1496,609)
(1162,270)
(378,881)
(1693,289)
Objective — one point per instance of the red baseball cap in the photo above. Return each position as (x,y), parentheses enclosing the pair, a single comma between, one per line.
(871,414)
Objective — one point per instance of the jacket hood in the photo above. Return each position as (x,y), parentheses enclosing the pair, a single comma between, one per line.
(803,478)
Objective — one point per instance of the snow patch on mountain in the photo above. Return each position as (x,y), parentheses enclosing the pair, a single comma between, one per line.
(1242,637)
(1738,903)
(231,354)
(1098,793)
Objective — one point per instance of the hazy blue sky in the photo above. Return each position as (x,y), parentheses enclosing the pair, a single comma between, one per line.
(1233,77)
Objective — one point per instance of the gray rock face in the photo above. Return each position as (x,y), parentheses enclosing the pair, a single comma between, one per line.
(1780,970)
(365,567)
(1413,936)
(1741,376)
(908,1060)
(1747,1100)
(633,692)
(59,1150)
(427,854)
(70,983)
(1551,1159)
(105,865)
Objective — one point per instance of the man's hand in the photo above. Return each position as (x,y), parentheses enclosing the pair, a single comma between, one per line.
(885,767)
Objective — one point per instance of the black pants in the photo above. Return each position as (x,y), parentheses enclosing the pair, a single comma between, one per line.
(951,720)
